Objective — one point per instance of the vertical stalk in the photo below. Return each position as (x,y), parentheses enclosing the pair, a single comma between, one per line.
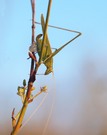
(31,79)
(33,32)
(33,20)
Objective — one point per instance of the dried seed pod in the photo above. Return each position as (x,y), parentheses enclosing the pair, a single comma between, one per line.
(44,89)
(33,48)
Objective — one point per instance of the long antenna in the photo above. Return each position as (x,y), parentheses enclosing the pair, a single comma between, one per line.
(60,28)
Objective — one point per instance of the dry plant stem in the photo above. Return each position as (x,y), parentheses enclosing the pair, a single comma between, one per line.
(31,79)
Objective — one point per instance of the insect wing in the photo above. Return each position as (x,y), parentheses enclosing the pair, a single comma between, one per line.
(47,50)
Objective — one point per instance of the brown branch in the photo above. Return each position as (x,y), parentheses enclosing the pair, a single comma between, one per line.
(33,20)
(32,69)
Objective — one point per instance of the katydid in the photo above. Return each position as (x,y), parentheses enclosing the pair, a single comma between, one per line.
(46,50)
(47,54)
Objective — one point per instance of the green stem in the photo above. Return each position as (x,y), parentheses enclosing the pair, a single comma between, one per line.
(19,122)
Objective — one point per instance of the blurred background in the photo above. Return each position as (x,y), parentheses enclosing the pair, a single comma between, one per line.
(79,84)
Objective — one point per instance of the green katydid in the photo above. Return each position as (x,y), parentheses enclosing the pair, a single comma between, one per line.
(47,54)
(46,50)
(43,46)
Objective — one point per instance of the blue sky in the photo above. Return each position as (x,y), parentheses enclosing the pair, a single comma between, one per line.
(89,17)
